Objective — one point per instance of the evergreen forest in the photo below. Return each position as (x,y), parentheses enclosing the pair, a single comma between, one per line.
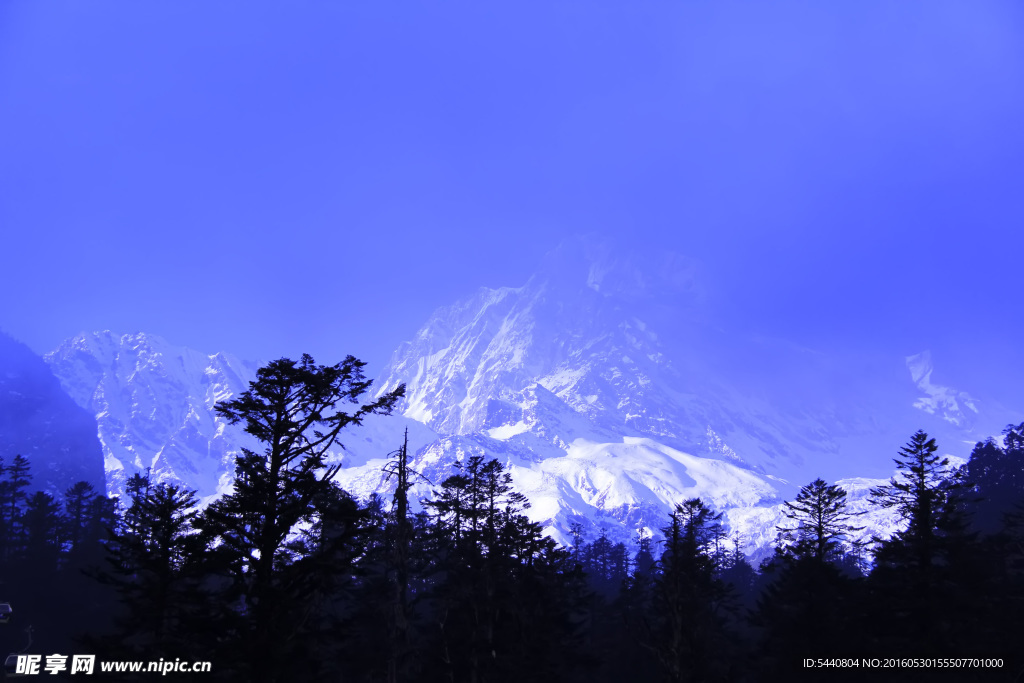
(290,578)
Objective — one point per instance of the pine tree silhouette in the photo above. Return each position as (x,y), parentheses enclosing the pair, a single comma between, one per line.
(920,570)
(822,523)
(689,598)
(151,548)
(291,408)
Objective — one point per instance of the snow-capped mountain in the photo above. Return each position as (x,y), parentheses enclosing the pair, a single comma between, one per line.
(154,406)
(575,332)
(603,384)
(604,388)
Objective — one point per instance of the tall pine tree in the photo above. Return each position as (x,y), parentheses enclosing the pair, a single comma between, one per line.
(916,575)
(822,523)
(689,597)
(292,409)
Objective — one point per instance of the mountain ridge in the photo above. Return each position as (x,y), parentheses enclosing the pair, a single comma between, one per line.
(564,380)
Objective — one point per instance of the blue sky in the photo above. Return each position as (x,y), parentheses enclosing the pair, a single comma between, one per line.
(274,178)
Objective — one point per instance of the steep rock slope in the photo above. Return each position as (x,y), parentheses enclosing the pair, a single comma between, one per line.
(154,404)
(41,422)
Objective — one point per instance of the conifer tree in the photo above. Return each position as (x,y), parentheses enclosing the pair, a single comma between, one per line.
(147,556)
(922,494)
(76,514)
(808,605)
(689,597)
(624,632)
(643,560)
(915,578)
(501,591)
(16,478)
(822,523)
(995,478)
(292,409)
(42,522)
(576,534)
(606,565)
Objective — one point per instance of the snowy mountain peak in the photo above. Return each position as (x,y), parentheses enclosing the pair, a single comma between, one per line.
(596,382)
(579,344)
(578,329)
(154,405)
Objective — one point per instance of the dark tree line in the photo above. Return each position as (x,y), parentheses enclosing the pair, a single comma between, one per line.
(289,577)
(46,543)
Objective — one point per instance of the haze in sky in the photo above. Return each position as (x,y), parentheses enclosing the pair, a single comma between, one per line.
(271,179)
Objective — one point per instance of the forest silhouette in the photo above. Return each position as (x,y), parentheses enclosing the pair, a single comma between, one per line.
(289,578)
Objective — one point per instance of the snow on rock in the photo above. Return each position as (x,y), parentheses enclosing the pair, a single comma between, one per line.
(154,406)
(606,420)
(593,382)
(949,403)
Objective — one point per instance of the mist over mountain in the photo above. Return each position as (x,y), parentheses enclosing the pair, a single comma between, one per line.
(605,383)
(41,422)
(613,392)
(624,340)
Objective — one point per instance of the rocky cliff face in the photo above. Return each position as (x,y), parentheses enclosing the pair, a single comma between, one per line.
(153,403)
(41,422)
